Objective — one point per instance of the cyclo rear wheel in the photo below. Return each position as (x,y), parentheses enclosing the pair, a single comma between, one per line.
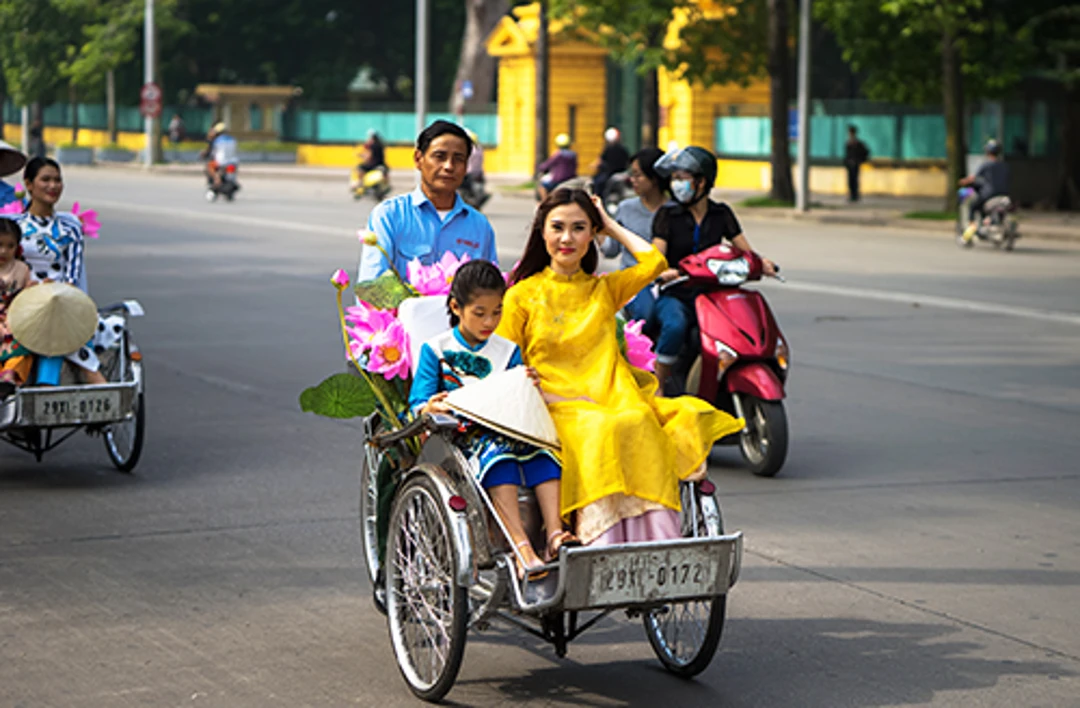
(427,610)
(685,635)
(124,440)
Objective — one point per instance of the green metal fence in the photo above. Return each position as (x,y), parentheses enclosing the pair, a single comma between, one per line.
(325,125)
(890,132)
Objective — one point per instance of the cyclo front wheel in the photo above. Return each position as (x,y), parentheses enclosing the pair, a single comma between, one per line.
(427,610)
(685,635)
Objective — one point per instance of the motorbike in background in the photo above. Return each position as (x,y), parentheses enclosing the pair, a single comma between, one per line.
(739,359)
(375,182)
(473,190)
(998,223)
(228,187)
(617,189)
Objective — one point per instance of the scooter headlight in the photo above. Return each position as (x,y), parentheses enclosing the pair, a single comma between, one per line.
(729,272)
(783,354)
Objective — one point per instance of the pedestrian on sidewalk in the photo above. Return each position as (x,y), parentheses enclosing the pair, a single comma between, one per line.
(855,154)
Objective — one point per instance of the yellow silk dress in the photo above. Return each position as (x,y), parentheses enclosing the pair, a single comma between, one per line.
(623,442)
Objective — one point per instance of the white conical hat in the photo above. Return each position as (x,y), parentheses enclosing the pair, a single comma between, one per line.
(509,403)
(11,159)
(52,319)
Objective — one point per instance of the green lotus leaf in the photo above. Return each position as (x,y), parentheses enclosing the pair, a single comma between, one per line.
(386,292)
(340,396)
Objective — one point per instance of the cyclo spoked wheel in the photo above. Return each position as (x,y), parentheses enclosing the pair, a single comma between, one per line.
(426,609)
(685,635)
(370,464)
(124,440)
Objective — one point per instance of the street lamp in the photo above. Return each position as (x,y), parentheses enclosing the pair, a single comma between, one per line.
(802,197)
(421,83)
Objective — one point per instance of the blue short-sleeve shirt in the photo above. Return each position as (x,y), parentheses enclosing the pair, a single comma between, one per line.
(408,227)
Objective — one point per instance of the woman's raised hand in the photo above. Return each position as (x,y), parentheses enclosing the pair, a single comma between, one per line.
(608,224)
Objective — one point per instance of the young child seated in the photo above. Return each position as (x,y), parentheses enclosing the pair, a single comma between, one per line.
(470,351)
(15,360)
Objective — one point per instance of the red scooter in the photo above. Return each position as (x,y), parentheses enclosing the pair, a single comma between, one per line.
(742,360)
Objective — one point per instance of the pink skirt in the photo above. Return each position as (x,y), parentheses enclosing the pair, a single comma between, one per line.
(656,525)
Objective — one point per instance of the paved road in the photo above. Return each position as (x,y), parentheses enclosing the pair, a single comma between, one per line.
(922,546)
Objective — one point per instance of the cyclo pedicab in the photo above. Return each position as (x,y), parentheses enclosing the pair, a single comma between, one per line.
(448,568)
(38,418)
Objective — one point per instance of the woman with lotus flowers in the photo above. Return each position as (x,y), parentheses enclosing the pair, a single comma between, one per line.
(623,449)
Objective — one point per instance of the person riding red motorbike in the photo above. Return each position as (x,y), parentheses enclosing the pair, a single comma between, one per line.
(691,225)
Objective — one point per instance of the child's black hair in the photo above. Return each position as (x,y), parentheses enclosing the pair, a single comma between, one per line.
(470,279)
(10,227)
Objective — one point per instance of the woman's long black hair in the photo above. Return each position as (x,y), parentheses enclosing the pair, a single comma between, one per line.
(536,257)
(472,278)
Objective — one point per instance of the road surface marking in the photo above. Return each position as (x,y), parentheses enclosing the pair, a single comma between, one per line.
(945,303)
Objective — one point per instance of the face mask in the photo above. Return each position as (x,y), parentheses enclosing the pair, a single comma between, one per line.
(683,190)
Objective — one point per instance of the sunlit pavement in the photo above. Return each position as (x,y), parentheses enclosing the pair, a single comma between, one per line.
(921,546)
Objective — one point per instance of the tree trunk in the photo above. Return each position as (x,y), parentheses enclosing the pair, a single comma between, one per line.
(1068,196)
(474,64)
(110,104)
(650,110)
(3,120)
(953,103)
(73,101)
(779,96)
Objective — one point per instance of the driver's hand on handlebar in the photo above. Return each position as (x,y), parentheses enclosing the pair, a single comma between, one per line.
(769,268)
(668,275)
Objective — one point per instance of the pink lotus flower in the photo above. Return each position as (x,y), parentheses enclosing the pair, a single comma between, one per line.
(340,279)
(390,352)
(91,225)
(434,279)
(367,322)
(12,208)
(638,346)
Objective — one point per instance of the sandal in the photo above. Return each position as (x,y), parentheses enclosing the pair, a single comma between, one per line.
(532,572)
(559,539)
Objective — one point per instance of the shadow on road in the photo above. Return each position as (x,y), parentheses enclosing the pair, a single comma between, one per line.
(811,663)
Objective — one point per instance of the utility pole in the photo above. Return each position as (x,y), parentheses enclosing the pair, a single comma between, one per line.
(541,88)
(802,196)
(148,77)
(421,87)
(26,130)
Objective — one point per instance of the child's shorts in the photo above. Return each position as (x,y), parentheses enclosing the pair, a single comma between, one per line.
(530,473)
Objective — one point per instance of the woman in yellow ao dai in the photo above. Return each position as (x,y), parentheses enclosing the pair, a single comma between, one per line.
(623,449)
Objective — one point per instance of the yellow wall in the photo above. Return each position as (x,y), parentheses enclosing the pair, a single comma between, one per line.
(517,115)
(87,137)
(689,112)
(398,157)
(925,181)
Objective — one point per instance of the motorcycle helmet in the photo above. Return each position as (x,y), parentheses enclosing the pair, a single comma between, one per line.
(219,127)
(698,161)
(992,147)
(612,135)
(562,140)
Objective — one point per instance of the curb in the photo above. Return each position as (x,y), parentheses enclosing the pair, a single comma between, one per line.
(1027,230)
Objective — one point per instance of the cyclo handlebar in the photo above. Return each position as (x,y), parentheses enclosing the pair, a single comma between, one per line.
(427,423)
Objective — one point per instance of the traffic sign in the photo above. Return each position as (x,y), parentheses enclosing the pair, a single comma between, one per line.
(150,100)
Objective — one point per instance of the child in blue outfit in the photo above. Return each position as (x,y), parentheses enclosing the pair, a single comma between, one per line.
(470,351)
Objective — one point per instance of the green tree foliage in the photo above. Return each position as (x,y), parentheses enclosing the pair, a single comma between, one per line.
(932,51)
(34,47)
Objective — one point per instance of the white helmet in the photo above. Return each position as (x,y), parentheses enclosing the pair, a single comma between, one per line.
(612,135)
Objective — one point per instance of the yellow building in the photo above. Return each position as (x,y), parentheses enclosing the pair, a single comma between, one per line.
(577,86)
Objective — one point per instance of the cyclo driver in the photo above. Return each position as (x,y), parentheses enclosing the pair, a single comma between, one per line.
(690,225)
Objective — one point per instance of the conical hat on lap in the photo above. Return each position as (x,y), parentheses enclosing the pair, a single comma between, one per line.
(52,319)
(509,403)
